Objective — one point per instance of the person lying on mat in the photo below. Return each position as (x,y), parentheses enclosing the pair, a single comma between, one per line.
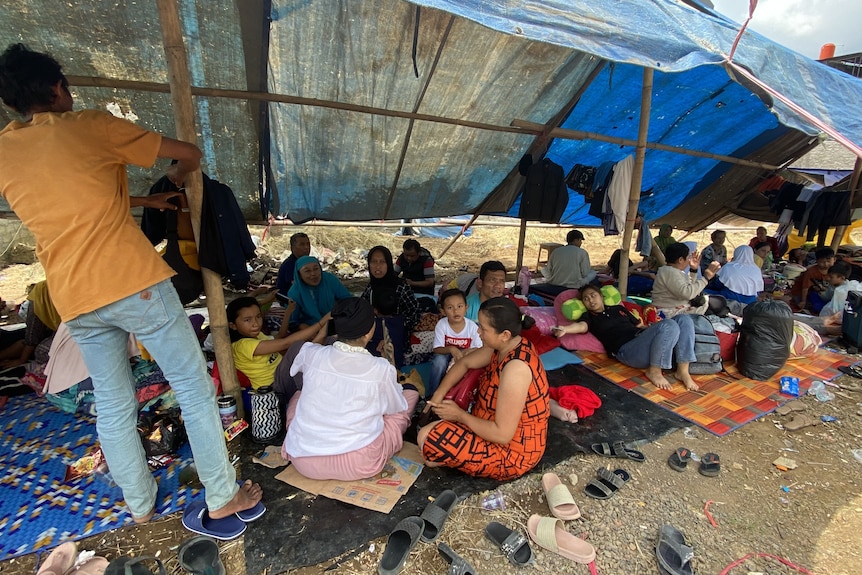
(259,356)
(674,291)
(627,339)
(504,437)
(351,414)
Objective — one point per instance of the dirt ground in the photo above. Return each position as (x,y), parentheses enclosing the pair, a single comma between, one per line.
(811,516)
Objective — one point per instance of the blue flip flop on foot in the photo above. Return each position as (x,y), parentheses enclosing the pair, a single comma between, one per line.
(249,515)
(197,520)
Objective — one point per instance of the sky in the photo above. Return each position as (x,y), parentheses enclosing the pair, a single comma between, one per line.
(802,25)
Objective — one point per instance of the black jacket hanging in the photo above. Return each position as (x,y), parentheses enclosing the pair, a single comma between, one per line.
(545,195)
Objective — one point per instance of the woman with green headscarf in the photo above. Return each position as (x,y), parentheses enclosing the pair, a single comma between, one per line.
(314,291)
(664,238)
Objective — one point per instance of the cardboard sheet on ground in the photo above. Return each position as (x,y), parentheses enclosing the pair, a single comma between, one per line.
(379,493)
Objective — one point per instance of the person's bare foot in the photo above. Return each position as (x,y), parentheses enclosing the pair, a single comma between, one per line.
(655,375)
(248,496)
(687,381)
(144,518)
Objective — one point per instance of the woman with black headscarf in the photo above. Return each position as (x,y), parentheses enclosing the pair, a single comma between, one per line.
(387,290)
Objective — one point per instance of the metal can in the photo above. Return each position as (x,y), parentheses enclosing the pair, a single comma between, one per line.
(226,410)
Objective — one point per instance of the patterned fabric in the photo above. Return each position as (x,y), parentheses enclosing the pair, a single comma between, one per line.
(725,401)
(38,510)
(456,446)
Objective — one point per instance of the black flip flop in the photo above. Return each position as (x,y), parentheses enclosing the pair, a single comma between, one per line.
(617,449)
(401,541)
(606,483)
(851,370)
(678,460)
(457,564)
(514,546)
(674,556)
(436,513)
(710,465)
(200,555)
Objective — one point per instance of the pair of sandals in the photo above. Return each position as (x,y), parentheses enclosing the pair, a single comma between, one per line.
(710,463)
(197,520)
(425,527)
(547,532)
(198,555)
(798,420)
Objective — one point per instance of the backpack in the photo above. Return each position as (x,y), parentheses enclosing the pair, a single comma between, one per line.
(707,348)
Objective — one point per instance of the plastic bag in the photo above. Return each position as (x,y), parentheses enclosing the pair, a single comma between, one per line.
(764,339)
(161,432)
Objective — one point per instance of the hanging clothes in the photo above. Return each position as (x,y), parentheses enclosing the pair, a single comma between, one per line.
(619,191)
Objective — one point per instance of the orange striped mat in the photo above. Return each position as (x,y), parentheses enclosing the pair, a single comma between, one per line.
(725,401)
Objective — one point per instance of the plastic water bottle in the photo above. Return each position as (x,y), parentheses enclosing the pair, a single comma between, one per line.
(524,279)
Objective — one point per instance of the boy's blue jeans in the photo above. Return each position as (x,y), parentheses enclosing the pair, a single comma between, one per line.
(439,363)
(156,318)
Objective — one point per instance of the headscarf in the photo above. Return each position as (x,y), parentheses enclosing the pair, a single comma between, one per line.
(353,318)
(664,241)
(43,307)
(741,274)
(313,302)
(391,279)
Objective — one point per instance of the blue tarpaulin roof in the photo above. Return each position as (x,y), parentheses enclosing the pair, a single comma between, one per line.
(371,139)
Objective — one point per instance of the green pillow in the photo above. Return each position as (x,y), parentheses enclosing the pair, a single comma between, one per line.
(573,309)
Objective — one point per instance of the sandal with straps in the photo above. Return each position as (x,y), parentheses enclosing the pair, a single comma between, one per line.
(559,498)
(513,545)
(457,564)
(436,513)
(606,483)
(552,535)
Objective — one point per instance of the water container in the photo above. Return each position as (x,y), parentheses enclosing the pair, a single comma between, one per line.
(524,279)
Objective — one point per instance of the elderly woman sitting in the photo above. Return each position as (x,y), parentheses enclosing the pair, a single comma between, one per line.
(675,288)
(349,417)
(740,279)
(314,291)
(627,339)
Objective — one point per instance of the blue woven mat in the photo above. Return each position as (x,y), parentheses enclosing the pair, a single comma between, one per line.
(37,510)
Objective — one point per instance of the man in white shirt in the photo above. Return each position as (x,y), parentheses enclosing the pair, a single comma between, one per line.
(569,266)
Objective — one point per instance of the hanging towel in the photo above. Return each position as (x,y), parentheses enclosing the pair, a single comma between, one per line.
(620,189)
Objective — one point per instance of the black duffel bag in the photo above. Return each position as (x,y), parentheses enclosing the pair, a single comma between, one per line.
(764,339)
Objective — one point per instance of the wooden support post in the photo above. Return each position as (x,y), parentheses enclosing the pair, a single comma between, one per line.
(184,120)
(637,179)
(461,232)
(522,236)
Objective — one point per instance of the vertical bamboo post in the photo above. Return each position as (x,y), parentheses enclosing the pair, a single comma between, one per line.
(184,120)
(637,179)
(522,237)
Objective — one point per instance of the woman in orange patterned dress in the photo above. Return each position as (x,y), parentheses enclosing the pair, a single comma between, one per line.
(504,437)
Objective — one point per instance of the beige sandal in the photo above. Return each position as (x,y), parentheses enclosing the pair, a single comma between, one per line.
(800,421)
(92,566)
(60,560)
(550,534)
(790,407)
(559,498)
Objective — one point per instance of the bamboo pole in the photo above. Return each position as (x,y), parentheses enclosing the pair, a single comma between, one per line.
(637,179)
(854,186)
(184,119)
(517,127)
(460,233)
(522,236)
(566,134)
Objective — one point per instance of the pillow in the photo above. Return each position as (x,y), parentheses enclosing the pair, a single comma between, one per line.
(573,309)
(544,317)
(805,341)
(574,341)
(611,295)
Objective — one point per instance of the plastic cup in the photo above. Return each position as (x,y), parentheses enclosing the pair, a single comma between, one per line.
(494,502)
